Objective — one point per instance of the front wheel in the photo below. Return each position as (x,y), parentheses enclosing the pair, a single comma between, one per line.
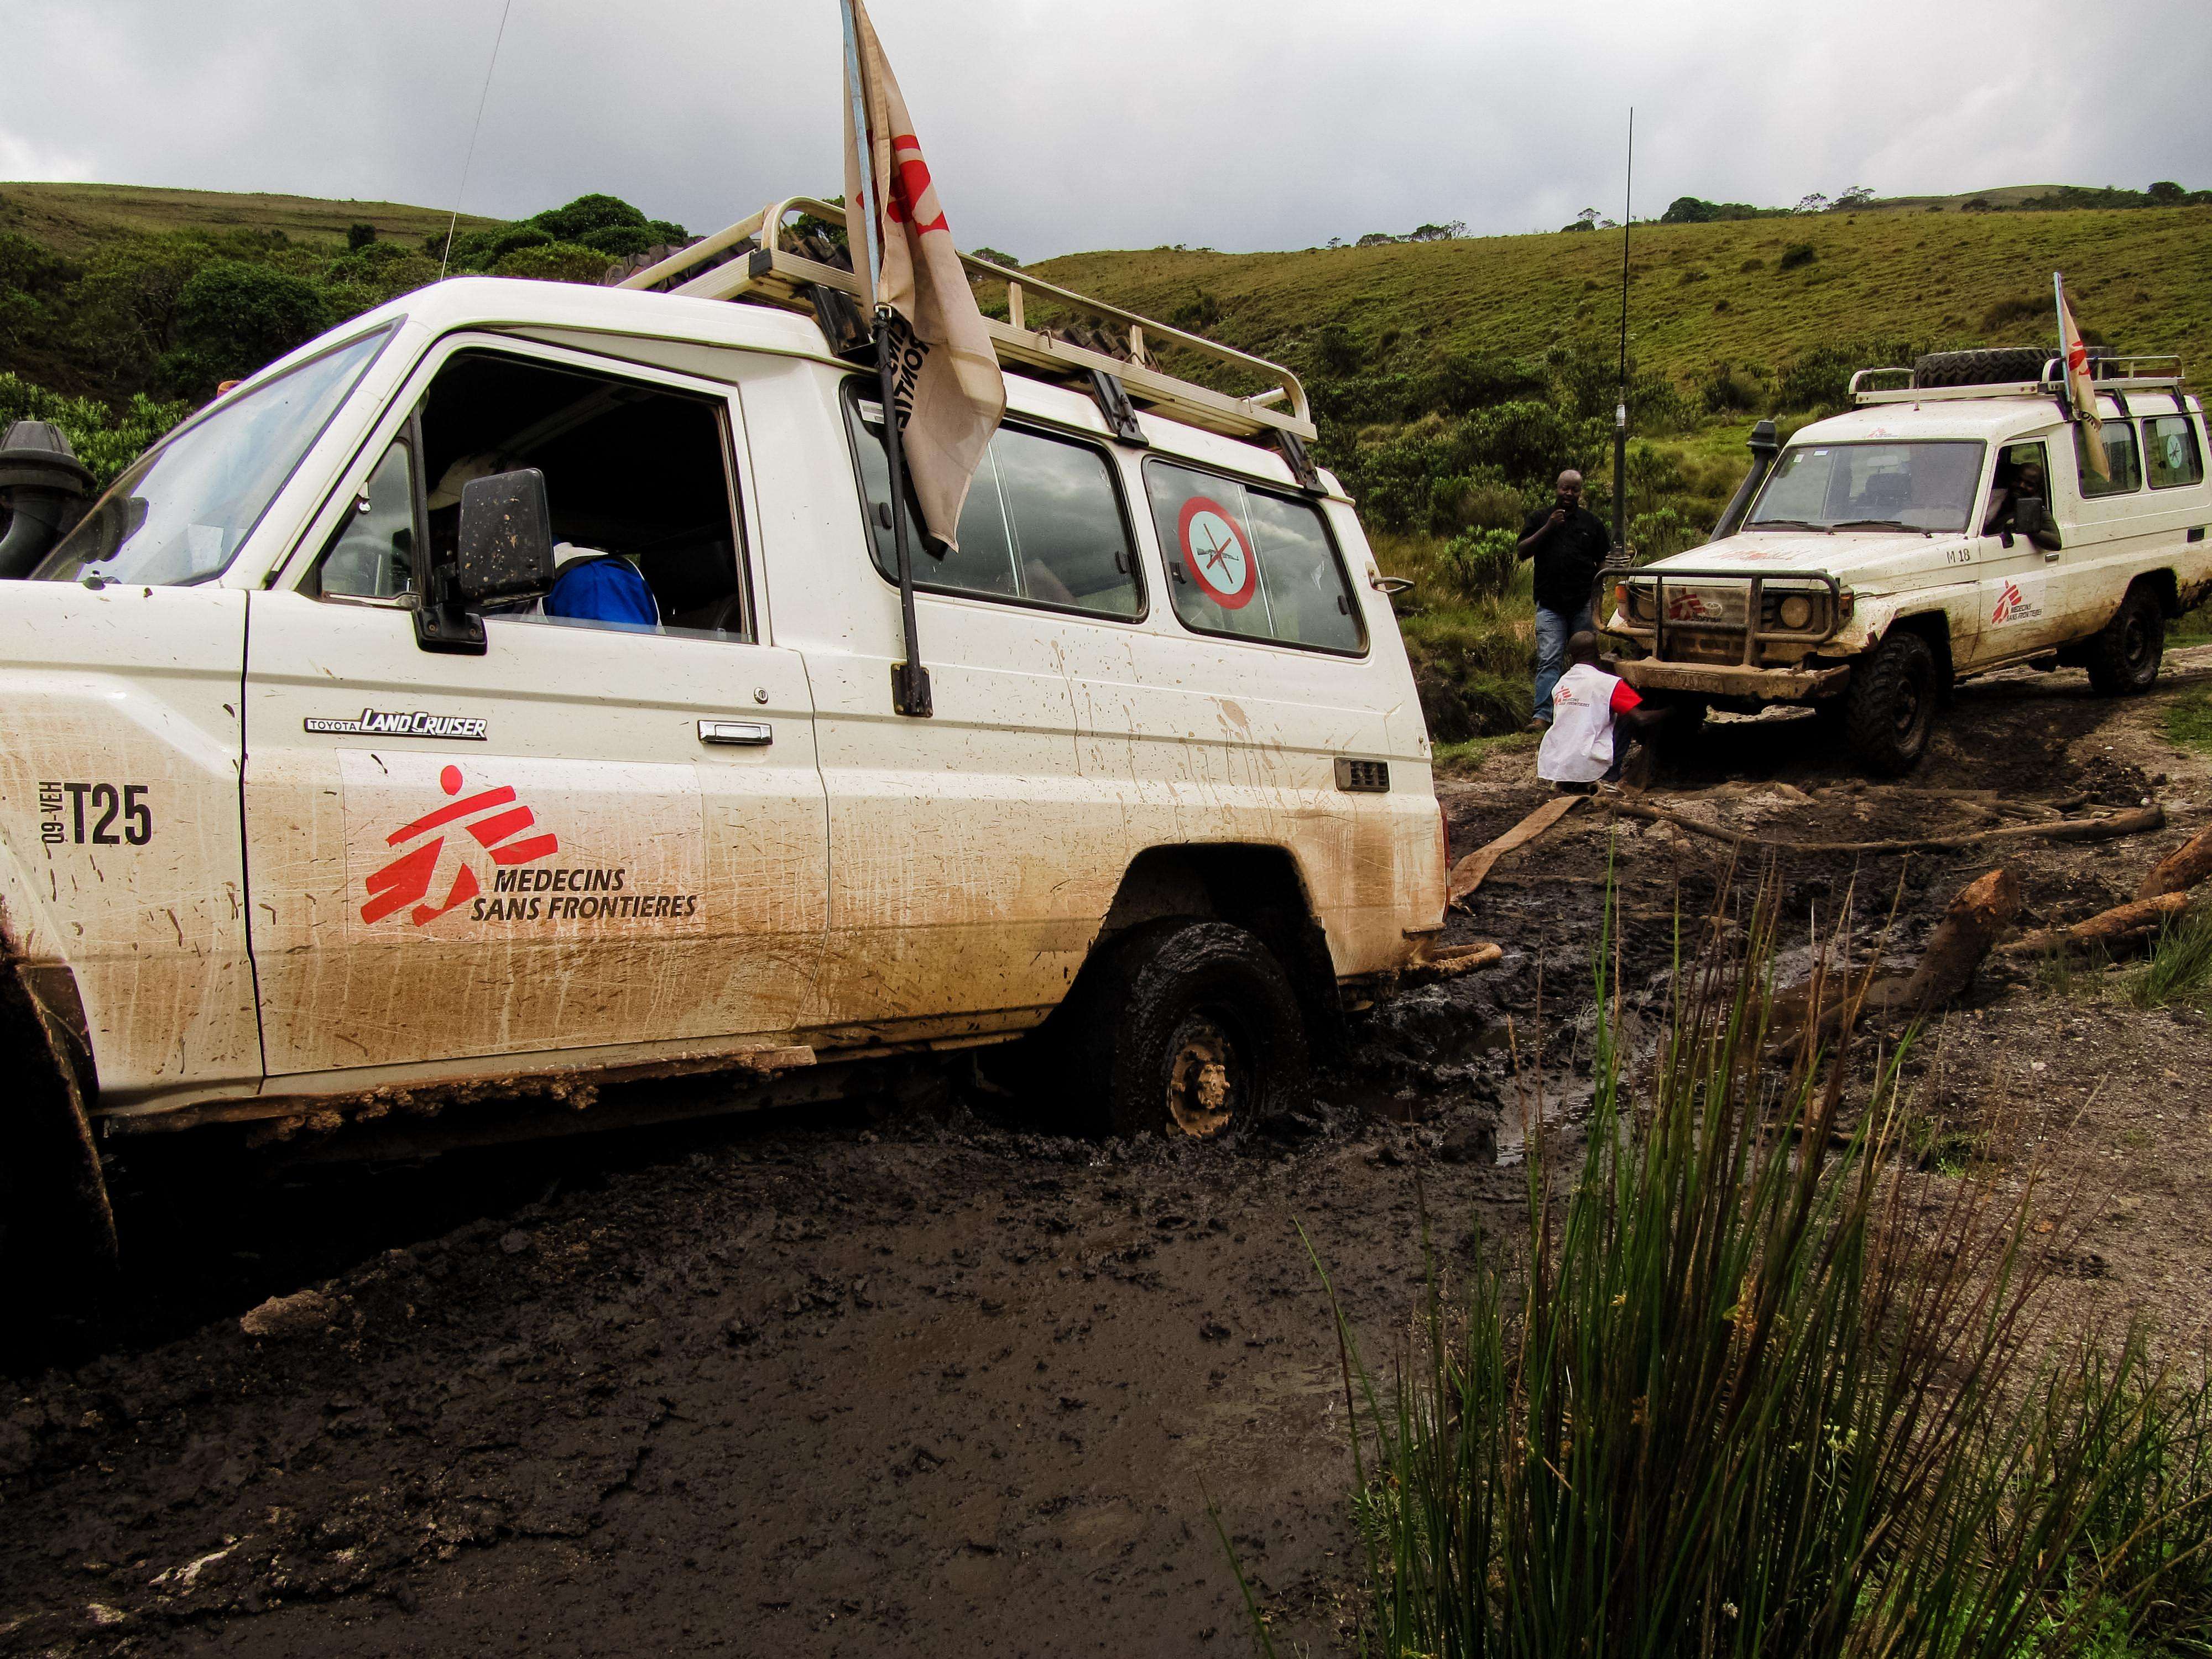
(2124,656)
(1889,708)
(1194,1027)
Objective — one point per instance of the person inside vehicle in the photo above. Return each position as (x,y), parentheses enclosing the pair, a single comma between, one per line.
(2013,485)
(589,586)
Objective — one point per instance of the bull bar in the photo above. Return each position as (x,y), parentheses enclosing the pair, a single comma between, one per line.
(1749,676)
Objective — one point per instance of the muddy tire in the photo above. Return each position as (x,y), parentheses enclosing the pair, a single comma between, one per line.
(1889,709)
(57,1232)
(1685,724)
(2124,656)
(1191,1029)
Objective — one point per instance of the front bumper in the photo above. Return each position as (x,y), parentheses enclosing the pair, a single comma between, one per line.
(1758,685)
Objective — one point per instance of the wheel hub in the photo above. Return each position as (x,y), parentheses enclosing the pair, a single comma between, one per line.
(1202,1078)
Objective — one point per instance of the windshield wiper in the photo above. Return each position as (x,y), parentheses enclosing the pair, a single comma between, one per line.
(1881,524)
(1788,523)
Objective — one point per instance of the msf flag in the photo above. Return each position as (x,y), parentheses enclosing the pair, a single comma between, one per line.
(948,386)
(2080,390)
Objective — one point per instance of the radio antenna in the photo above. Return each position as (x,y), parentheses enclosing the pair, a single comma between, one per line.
(469,161)
(1620,409)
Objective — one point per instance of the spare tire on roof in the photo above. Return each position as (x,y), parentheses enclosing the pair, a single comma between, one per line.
(1998,365)
(1995,366)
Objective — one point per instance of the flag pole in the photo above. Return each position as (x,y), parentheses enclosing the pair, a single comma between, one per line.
(909,679)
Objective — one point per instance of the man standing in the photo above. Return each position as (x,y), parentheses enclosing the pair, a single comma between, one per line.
(1569,544)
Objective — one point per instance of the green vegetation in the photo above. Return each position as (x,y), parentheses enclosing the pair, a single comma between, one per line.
(2189,717)
(2180,966)
(121,308)
(1719,1395)
(1451,377)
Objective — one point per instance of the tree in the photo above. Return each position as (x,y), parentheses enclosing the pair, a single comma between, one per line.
(2166,193)
(232,317)
(1815,203)
(1438,232)
(1587,217)
(1689,210)
(996,258)
(359,237)
(126,306)
(1856,197)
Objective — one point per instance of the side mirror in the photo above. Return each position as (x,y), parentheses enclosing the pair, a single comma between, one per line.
(504,551)
(2030,516)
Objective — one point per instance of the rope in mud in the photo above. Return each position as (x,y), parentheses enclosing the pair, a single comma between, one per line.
(2103,828)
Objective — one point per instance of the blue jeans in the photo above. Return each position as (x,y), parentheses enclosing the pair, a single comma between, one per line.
(1553,629)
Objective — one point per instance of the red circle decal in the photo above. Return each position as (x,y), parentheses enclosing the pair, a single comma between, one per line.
(1217,555)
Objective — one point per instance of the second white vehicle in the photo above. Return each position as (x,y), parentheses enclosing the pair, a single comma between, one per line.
(1941,529)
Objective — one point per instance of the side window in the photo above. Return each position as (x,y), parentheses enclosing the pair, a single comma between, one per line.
(1249,563)
(1042,523)
(2121,460)
(371,554)
(2021,470)
(2171,456)
(637,475)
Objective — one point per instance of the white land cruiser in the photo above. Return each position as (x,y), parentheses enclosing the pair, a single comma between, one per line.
(1939,529)
(285,847)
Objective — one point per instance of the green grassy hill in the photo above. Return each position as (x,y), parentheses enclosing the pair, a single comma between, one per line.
(1699,294)
(74,219)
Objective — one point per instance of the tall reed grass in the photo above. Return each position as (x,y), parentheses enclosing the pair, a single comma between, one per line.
(1743,1385)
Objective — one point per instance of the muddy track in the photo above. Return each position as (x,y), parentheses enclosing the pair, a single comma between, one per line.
(916,1378)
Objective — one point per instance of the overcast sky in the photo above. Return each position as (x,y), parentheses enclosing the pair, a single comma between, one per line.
(1054,127)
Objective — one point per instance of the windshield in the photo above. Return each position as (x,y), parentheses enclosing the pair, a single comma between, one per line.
(180,513)
(1871,486)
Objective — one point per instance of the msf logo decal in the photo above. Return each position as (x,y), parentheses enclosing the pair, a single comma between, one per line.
(2012,606)
(493,821)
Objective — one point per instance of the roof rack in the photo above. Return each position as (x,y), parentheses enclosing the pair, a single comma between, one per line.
(2119,375)
(759,259)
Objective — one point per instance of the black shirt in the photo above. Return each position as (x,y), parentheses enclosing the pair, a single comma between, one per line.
(1568,557)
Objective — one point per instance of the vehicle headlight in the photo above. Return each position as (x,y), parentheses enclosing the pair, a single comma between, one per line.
(1797,612)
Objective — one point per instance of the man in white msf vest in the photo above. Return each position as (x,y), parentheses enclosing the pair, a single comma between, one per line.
(1588,706)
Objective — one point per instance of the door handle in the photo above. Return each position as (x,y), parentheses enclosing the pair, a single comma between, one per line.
(744,734)
(2051,558)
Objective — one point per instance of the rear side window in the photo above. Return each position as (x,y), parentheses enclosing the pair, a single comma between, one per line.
(1249,563)
(2121,460)
(2171,456)
(1042,523)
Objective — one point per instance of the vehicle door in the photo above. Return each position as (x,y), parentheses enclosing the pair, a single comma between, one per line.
(965,882)
(596,836)
(2022,601)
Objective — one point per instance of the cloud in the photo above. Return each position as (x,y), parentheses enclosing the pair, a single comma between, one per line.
(1232,124)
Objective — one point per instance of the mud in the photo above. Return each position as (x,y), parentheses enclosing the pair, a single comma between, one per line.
(926,1376)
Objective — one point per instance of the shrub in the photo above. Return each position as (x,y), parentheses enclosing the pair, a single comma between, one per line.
(1753,264)
(232,317)
(1482,563)
(105,440)
(359,237)
(554,261)
(1729,389)
(2021,307)
(1796,254)
(1336,352)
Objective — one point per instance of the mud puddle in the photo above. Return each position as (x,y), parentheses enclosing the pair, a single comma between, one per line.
(935,1381)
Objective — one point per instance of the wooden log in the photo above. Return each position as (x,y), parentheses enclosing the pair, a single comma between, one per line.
(2181,869)
(2103,828)
(2123,925)
(1979,912)
(1467,874)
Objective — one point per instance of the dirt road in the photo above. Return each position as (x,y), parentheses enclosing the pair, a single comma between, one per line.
(926,1381)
